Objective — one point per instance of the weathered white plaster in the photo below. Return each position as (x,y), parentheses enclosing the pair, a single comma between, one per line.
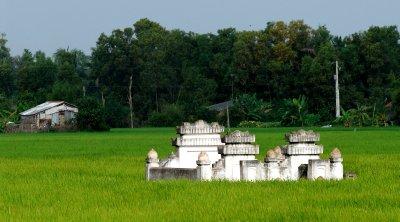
(272,169)
(151,161)
(336,164)
(188,155)
(204,171)
(204,156)
(200,127)
(294,163)
(251,170)
(218,170)
(318,169)
(232,165)
(336,168)
(171,162)
(302,148)
(195,138)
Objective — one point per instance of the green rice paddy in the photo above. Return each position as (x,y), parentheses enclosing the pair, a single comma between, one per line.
(100,177)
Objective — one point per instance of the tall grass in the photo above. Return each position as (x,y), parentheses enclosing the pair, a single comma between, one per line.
(100,177)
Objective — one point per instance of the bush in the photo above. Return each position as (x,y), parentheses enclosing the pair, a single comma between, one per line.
(251,124)
(272,124)
(250,108)
(202,113)
(91,115)
(116,115)
(311,119)
(171,115)
(7,117)
(396,106)
(257,124)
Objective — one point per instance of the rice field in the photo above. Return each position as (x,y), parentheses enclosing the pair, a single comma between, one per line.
(100,177)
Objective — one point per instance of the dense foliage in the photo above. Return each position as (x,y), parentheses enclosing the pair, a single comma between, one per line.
(283,73)
(91,116)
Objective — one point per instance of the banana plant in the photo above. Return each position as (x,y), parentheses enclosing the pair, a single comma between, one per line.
(300,105)
(5,117)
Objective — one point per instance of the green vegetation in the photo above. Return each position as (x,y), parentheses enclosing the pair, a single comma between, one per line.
(100,176)
(287,68)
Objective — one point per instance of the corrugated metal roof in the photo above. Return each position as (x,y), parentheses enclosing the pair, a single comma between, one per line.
(221,106)
(42,107)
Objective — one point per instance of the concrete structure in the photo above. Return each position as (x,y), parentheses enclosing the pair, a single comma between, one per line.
(48,114)
(299,151)
(193,139)
(298,159)
(238,149)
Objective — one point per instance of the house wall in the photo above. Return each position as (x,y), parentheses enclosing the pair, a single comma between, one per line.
(59,114)
(55,116)
(28,124)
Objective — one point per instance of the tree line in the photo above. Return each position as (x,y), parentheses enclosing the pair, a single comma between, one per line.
(282,75)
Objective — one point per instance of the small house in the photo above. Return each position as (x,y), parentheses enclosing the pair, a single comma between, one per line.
(48,114)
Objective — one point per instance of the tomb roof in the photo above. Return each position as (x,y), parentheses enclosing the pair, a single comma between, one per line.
(301,136)
(239,137)
(199,127)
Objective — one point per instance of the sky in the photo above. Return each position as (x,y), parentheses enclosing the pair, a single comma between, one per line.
(48,25)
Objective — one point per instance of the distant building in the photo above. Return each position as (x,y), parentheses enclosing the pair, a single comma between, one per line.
(46,115)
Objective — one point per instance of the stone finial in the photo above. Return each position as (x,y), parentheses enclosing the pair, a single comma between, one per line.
(278,151)
(335,153)
(270,157)
(203,156)
(152,154)
(271,154)
(203,159)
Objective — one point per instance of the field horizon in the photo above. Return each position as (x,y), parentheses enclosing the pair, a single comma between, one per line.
(83,176)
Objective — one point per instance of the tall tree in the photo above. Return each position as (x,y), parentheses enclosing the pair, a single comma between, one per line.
(68,84)
(35,78)
(6,74)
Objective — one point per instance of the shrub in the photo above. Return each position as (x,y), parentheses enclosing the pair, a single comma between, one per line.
(6,117)
(91,115)
(311,119)
(249,107)
(272,124)
(170,115)
(116,115)
(251,124)
(257,124)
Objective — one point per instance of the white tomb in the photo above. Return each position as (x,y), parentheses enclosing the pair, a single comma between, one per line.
(238,148)
(193,139)
(202,154)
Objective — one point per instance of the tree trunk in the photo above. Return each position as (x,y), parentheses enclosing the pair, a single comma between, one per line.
(130,100)
(156,101)
(103,100)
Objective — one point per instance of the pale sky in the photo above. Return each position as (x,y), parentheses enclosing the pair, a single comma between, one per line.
(51,24)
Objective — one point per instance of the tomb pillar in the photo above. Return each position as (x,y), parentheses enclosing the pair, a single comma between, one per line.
(151,161)
(204,171)
(271,166)
(336,164)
